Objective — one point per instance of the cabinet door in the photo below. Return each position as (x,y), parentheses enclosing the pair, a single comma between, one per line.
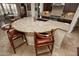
(47,7)
(70,7)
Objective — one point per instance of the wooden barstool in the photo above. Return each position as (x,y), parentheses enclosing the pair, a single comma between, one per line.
(13,35)
(44,39)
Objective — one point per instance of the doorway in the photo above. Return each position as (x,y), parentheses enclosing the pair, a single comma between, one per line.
(23,10)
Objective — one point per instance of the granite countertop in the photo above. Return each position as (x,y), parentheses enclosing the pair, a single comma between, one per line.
(28,24)
(68,16)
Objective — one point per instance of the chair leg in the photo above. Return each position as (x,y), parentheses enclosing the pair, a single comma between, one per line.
(11,42)
(25,39)
(51,48)
(36,51)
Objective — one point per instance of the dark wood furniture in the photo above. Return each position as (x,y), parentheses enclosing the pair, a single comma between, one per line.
(23,10)
(68,12)
(77,51)
(43,40)
(13,35)
(42,19)
(47,7)
(64,20)
(15,18)
(70,7)
(51,17)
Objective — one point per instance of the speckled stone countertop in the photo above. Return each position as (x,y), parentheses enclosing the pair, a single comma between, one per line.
(28,24)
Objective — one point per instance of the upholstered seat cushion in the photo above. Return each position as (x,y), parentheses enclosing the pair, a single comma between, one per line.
(44,41)
(40,41)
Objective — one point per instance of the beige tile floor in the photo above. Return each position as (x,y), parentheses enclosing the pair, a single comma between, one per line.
(68,47)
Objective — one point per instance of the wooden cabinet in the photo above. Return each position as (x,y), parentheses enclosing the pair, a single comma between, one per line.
(47,7)
(70,7)
(23,10)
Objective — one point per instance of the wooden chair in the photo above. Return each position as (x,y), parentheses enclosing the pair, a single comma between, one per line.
(43,39)
(77,51)
(15,18)
(13,35)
